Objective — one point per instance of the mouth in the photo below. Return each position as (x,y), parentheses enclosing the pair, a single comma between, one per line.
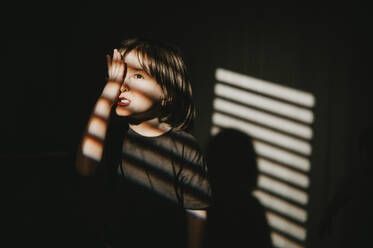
(123,102)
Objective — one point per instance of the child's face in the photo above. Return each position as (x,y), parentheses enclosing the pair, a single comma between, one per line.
(140,93)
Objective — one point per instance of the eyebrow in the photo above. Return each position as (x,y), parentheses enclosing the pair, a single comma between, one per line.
(139,69)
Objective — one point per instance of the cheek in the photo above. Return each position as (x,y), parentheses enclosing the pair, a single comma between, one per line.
(158,92)
(143,101)
(150,90)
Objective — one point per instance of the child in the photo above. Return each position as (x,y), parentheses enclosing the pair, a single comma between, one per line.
(138,132)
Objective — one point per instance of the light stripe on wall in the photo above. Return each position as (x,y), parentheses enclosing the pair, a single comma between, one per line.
(283,173)
(286,226)
(282,189)
(279,241)
(265,87)
(285,125)
(265,103)
(281,155)
(262,133)
(277,154)
(281,206)
(279,119)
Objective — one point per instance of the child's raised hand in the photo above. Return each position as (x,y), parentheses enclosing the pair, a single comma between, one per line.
(116,67)
(117,72)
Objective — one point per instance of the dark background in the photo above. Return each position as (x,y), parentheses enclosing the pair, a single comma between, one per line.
(54,68)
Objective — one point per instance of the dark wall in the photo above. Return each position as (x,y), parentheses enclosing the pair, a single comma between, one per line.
(55,70)
(322,51)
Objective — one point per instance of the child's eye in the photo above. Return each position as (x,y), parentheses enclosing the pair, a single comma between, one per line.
(138,76)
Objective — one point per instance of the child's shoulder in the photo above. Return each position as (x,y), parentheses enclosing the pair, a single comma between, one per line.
(184,136)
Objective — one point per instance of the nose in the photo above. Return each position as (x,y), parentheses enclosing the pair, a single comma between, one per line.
(124,86)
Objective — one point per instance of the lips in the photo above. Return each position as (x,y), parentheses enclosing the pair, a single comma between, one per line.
(123,101)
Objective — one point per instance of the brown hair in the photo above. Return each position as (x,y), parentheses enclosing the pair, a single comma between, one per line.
(164,62)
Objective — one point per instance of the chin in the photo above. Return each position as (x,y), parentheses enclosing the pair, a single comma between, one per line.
(122,112)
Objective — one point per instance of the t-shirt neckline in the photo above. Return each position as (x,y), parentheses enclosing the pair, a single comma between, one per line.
(150,137)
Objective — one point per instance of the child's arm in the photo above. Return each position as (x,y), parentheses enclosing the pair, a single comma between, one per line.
(196,221)
(91,148)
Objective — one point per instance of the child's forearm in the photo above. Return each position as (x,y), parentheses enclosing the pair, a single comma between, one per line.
(92,145)
(91,149)
(196,226)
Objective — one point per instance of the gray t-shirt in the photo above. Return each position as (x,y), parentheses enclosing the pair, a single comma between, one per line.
(170,165)
(157,179)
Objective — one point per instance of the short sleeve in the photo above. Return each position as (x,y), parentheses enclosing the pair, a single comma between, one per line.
(194,180)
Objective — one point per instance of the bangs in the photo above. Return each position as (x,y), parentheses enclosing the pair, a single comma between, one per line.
(146,55)
(147,62)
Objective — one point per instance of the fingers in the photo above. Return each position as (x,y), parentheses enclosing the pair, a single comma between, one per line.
(116,58)
(108,61)
(116,67)
(120,67)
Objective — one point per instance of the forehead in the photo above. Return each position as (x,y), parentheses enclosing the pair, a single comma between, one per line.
(132,59)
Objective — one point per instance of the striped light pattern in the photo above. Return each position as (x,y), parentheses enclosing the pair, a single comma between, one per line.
(262,118)
(267,104)
(283,173)
(286,226)
(282,242)
(264,87)
(272,202)
(261,133)
(279,120)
